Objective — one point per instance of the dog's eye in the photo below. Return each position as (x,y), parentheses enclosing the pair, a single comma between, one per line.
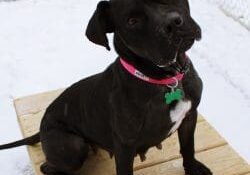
(132,22)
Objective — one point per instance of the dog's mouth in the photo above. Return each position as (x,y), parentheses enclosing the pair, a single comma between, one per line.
(187,45)
(169,63)
(172,58)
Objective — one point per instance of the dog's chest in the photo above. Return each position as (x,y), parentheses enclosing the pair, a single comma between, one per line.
(165,120)
(178,113)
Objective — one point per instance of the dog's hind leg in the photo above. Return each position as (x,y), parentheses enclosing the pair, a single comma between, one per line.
(65,152)
(124,158)
(49,170)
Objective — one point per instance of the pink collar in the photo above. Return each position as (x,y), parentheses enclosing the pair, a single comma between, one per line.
(167,81)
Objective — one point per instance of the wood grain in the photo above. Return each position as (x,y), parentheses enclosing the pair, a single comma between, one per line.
(221,160)
(35,103)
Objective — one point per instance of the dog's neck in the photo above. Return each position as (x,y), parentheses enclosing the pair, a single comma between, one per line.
(142,64)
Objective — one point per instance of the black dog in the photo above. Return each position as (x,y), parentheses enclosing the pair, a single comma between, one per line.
(121,113)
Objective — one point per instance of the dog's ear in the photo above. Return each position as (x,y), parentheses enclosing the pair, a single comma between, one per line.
(100,24)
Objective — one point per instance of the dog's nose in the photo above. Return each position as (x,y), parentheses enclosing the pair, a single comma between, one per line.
(175,19)
(198,34)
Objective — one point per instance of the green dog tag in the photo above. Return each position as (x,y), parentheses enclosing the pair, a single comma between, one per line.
(174,95)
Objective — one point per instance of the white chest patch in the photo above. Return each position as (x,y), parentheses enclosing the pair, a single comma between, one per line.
(178,114)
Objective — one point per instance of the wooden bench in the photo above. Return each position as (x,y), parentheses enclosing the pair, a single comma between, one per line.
(211,148)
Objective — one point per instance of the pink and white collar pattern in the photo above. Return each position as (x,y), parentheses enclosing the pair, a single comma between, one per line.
(166,81)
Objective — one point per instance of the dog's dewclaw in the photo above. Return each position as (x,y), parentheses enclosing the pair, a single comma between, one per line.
(159,147)
(94,149)
(143,157)
(111,155)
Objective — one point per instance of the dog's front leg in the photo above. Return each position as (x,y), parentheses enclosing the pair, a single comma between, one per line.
(124,158)
(186,139)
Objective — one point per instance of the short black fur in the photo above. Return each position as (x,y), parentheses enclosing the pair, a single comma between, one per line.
(114,110)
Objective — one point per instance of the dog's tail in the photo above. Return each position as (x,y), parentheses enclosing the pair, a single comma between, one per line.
(27,141)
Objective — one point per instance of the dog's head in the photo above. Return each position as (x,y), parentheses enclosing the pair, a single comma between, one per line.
(157,30)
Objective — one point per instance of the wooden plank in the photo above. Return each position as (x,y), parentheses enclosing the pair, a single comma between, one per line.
(200,118)
(31,109)
(221,160)
(206,138)
(30,125)
(35,103)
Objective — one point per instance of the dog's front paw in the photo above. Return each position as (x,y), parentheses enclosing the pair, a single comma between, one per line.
(196,168)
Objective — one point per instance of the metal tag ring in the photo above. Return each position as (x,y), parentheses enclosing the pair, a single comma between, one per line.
(173,86)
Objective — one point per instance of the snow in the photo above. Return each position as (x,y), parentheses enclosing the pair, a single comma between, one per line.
(42,47)
(237,9)
(223,62)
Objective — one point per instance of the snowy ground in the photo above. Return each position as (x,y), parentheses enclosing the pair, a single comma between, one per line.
(42,47)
